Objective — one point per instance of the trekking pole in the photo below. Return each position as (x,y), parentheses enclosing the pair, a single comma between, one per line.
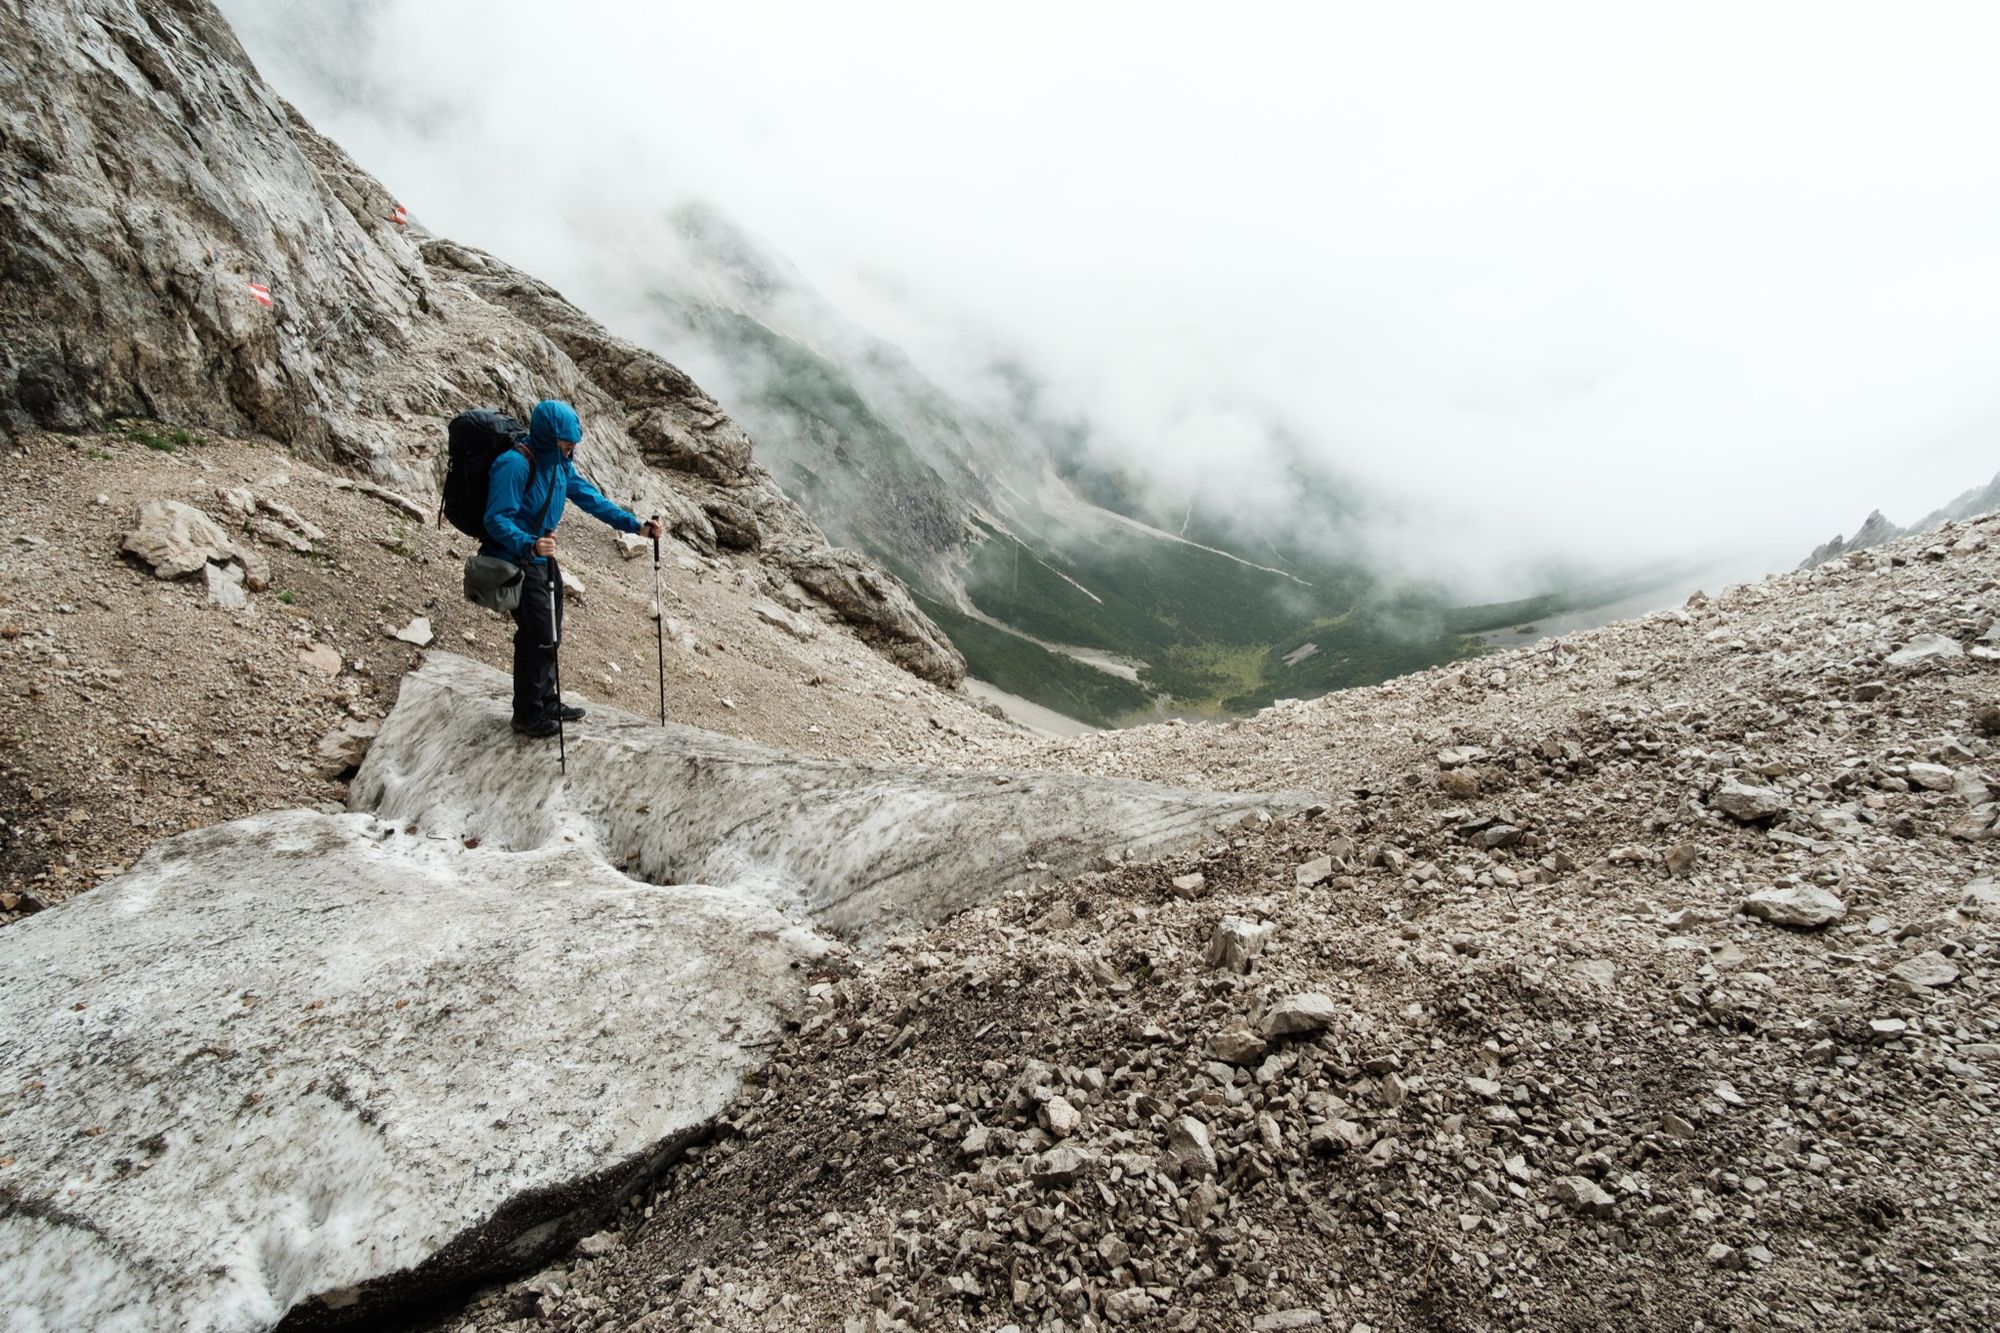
(555,658)
(660,623)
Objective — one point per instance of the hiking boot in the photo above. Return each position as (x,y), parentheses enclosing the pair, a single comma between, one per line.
(567,712)
(537,728)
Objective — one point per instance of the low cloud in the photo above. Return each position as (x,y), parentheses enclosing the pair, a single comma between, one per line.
(1561,282)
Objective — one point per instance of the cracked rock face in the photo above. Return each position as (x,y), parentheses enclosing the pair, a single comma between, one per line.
(317,1067)
(153,177)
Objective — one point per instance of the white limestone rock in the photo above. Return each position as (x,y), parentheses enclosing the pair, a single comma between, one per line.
(1189,1151)
(417,631)
(341,750)
(1584,1196)
(772,614)
(1237,940)
(1931,777)
(1925,650)
(225,586)
(1800,907)
(1313,872)
(177,540)
(1926,971)
(1301,1015)
(1745,802)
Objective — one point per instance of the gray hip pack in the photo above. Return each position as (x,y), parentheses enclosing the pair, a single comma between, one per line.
(493,583)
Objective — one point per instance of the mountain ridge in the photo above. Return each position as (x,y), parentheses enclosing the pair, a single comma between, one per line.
(1876,529)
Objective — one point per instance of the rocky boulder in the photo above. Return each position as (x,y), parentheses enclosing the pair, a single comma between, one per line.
(1800,907)
(1300,1015)
(1926,971)
(674,443)
(1745,802)
(881,611)
(1925,650)
(1237,941)
(736,526)
(177,539)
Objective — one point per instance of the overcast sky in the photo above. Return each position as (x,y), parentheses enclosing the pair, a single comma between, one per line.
(1614,280)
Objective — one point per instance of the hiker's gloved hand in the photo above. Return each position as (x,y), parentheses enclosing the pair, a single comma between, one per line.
(651,528)
(546,546)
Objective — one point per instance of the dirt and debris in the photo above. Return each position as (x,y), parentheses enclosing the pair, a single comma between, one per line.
(1528,1059)
(138,706)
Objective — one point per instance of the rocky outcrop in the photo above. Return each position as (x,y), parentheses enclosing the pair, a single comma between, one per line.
(736,527)
(1878,530)
(152,178)
(1966,504)
(309,1068)
(672,423)
(1873,532)
(881,610)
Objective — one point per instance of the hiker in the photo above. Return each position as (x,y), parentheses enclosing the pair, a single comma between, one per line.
(524,503)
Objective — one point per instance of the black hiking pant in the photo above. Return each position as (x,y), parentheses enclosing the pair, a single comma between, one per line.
(537,627)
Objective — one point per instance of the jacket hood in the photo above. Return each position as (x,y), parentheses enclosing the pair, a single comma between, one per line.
(553,421)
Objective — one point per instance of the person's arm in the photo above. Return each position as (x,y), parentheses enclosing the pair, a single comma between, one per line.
(503,500)
(592,502)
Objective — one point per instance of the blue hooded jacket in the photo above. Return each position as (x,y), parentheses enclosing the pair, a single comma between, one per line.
(524,504)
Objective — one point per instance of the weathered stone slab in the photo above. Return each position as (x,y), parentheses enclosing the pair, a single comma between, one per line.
(865,850)
(309,1062)
(1802,907)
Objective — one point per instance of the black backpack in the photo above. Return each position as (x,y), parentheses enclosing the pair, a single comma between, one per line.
(473,440)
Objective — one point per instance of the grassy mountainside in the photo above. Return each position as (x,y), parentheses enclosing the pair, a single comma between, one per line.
(1020,666)
(1214,632)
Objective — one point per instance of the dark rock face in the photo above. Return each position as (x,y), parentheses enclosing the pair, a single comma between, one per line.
(1876,530)
(880,609)
(151,178)
(735,526)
